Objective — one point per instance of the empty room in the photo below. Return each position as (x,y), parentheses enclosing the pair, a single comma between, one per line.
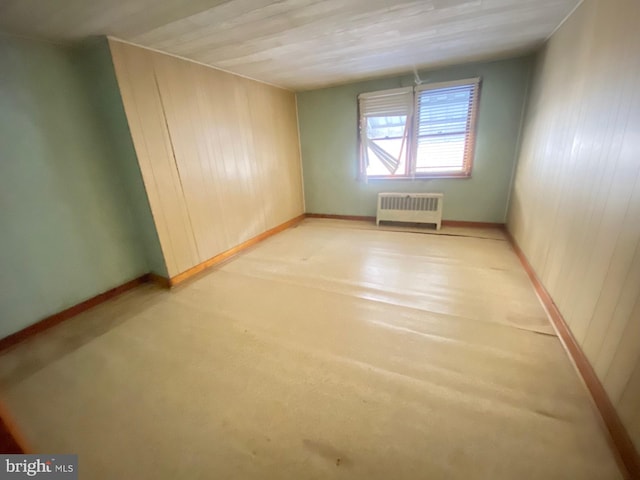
(320,239)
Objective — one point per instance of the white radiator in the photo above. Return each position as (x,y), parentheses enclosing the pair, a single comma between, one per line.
(410,207)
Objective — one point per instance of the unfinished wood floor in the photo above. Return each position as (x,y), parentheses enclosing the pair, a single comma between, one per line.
(332,350)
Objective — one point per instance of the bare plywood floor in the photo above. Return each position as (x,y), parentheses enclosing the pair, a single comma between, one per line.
(332,350)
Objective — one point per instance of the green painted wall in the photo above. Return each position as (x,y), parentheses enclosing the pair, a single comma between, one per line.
(328,137)
(99,77)
(68,227)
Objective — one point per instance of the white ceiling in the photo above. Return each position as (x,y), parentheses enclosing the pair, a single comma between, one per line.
(302,44)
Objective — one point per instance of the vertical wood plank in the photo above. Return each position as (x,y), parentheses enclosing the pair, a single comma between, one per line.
(576,200)
(219,153)
(144,110)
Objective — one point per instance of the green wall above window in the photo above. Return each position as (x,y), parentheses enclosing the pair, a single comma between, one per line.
(329,142)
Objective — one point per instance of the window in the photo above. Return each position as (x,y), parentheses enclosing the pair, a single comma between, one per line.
(422,132)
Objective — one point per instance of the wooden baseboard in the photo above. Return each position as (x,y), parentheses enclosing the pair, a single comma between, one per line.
(56,318)
(159,280)
(445,223)
(181,277)
(10,439)
(463,223)
(623,447)
(341,217)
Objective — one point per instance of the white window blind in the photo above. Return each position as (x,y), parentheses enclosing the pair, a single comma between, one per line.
(396,102)
(444,128)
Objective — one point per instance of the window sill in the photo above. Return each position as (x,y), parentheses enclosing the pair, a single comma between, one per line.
(422,177)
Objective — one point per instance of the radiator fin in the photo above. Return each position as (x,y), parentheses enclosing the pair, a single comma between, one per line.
(411,203)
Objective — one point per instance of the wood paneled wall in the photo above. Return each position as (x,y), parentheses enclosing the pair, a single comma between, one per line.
(575,208)
(219,153)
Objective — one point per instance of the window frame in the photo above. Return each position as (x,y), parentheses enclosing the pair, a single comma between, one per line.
(413,120)
(362,128)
